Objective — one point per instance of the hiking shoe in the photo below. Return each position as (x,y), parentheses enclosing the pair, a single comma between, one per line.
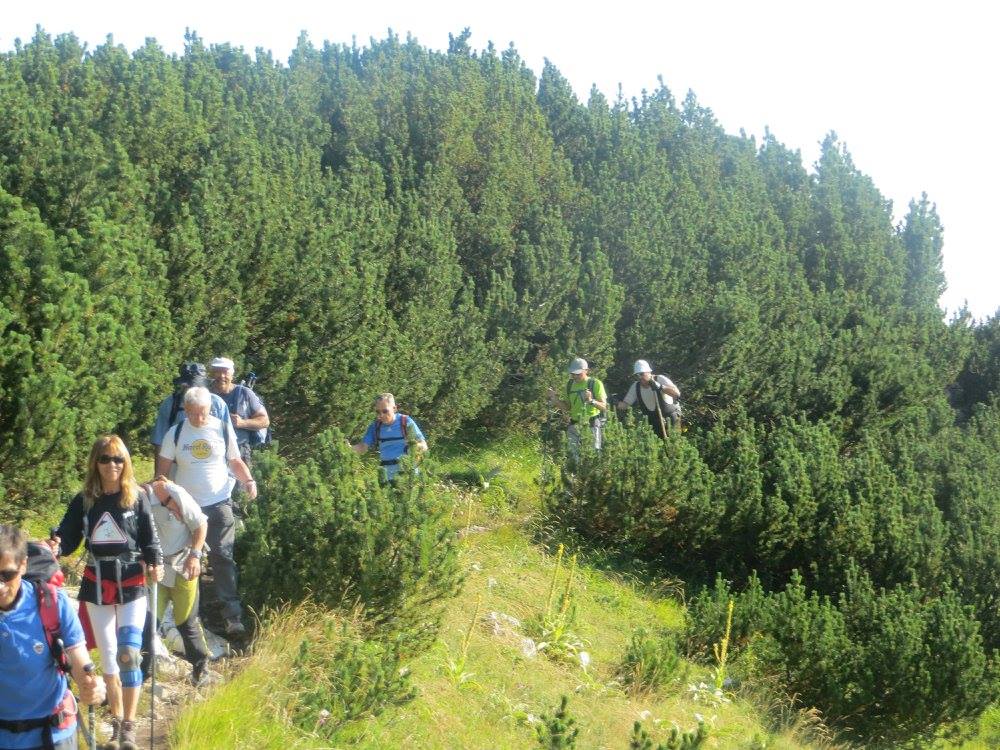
(235,629)
(202,677)
(128,736)
(116,730)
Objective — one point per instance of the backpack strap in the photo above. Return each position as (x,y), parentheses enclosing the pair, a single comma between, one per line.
(48,611)
(175,406)
(403,426)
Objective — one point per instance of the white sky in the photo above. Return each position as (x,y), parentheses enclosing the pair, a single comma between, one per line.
(905,85)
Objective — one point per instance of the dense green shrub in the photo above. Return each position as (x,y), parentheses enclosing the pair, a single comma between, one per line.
(324,529)
(884,666)
(649,496)
(650,661)
(340,677)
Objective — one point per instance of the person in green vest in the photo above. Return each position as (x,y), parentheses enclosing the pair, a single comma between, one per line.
(585,402)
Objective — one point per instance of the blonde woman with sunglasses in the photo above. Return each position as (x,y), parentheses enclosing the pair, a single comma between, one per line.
(112,518)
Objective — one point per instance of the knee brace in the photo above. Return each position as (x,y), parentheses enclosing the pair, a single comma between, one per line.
(129,655)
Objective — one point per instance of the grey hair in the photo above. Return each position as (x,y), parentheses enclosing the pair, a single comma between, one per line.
(387,397)
(13,542)
(197,396)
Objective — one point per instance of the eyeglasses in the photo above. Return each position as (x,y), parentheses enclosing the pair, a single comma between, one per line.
(9,575)
(117,460)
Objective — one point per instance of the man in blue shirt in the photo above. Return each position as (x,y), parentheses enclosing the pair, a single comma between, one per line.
(37,711)
(171,409)
(392,434)
(245,407)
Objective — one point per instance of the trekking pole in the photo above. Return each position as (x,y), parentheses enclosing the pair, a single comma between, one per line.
(152,667)
(659,413)
(90,737)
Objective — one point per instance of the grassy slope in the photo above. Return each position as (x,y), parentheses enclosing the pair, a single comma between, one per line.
(504,691)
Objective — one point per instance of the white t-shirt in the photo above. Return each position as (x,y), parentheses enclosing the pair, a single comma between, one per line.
(648,395)
(202,460)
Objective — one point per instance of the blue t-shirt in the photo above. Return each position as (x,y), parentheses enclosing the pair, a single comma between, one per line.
(163,423)
(243,402)
(30,684)
(392,442)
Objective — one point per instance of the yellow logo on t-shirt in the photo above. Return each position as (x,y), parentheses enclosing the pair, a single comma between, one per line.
(201,448)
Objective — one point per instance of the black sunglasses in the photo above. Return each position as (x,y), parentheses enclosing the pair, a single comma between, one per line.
(119,460)
(9,575)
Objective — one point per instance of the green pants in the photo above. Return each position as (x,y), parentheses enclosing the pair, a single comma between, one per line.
(184,595)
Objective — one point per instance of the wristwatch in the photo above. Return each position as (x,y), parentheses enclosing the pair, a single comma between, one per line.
(195,553)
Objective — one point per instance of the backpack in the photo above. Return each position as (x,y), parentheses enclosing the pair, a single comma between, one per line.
(263,435)
(46,576)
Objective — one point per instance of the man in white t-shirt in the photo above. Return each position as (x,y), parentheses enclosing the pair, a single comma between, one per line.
(655,396)
(208,458)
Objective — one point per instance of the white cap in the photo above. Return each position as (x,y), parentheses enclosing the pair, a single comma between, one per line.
(641,365)
(222,363)
(577,366)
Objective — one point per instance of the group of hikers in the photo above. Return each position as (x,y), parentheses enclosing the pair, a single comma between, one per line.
(145,545)
(585,402)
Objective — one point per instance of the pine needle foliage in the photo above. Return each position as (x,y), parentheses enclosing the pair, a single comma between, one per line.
(323,528)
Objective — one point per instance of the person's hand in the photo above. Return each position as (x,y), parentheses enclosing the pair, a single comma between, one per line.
(192,567)
(251,489)
(54,543)
(588,396)
(237,420)
(92,690)
(155,573)
(622,405)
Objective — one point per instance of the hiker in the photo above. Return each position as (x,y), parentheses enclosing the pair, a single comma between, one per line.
(37,709)
(112,517)
(171,410)
(654,396)
(183,528)
(246,410)
(585,404)
(205,451)
(392,434)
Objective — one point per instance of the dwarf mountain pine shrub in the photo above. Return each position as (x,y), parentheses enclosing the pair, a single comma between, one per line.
(340,677)
(884,666)
(650,496)
(678,739)
(650,661)
(324,529)
(558,731)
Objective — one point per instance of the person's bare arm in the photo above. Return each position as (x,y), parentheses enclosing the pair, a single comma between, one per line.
(258,421)
(192,565)
(92,690)
(242,473)
(163,465)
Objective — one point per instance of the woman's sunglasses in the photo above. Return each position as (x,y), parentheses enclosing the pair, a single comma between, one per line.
(9,575)
(119,460)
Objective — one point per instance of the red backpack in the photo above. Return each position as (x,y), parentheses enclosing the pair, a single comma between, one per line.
(46,576)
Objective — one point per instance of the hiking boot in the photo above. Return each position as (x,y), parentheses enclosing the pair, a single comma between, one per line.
(116,731)
(128,736)
(202,677)
(235,629)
